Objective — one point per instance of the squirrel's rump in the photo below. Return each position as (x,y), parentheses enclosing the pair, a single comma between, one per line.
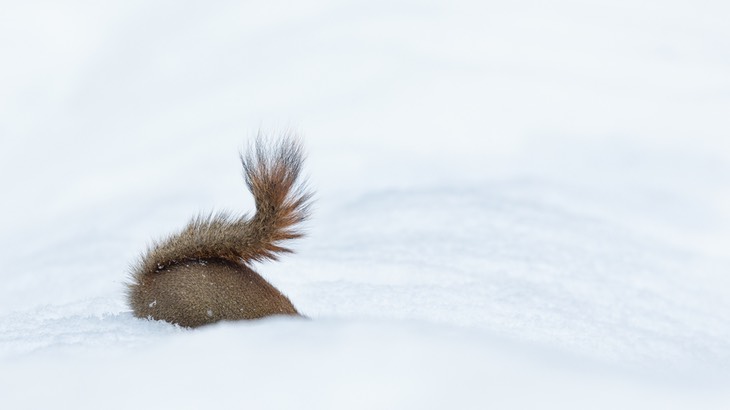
(202,274)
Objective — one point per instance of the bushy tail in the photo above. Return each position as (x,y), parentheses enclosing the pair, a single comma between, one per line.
(272,174)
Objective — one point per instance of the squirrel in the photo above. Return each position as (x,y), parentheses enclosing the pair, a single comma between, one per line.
(203,273)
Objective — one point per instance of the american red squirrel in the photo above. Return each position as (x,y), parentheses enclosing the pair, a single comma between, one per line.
(202,274)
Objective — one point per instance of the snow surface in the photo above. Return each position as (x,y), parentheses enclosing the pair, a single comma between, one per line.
(520,204)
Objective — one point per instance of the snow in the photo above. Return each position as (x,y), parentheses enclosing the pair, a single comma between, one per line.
(519,204)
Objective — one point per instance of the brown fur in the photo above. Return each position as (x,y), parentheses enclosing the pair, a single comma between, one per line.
(202,274)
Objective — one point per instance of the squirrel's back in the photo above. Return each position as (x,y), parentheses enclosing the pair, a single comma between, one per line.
(202,274)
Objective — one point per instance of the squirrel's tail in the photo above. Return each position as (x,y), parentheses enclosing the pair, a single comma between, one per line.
(272,174)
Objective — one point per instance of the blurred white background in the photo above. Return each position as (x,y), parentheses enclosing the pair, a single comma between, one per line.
(554,172)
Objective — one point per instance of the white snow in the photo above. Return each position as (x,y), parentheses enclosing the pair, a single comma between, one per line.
(520,204)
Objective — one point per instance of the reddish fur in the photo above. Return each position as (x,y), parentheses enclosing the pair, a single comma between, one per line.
(202,274)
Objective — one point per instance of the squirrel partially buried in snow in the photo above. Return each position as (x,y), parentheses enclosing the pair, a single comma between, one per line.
(202,274)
